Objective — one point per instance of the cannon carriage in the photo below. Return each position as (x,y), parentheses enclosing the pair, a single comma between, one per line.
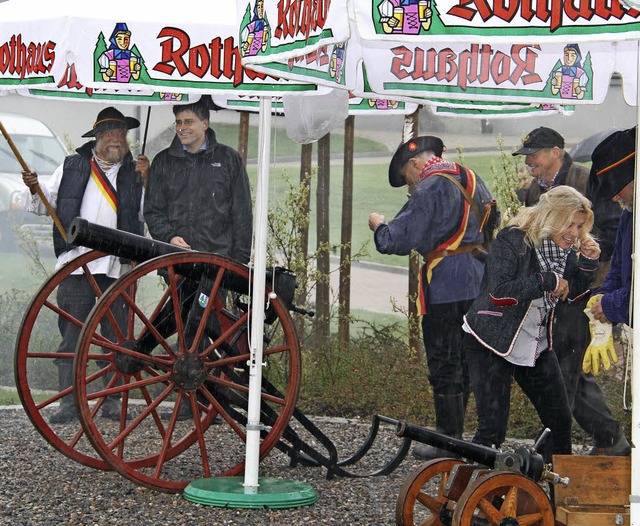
(185,341)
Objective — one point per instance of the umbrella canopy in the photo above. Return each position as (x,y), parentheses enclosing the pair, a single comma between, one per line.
(582,151)
(442,55)
(142,48)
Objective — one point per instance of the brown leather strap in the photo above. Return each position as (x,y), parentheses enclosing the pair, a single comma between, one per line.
(434,254)
(472,202)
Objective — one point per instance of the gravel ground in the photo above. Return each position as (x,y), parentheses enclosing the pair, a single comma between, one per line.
(39,486)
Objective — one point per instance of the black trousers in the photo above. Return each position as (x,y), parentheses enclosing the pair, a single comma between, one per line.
(588,403)
(77,298)
(491,377)
(442,333)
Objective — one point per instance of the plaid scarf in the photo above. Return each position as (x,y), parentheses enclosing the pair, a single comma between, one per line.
(551,258)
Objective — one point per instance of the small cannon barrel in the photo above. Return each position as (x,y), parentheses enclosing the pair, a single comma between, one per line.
(526,461)
(475,452)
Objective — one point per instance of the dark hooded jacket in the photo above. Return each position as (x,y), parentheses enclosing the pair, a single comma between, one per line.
(203,197)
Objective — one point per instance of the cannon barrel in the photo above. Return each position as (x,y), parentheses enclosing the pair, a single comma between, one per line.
(474,452)
(118,242)
(526,461)
(140,249)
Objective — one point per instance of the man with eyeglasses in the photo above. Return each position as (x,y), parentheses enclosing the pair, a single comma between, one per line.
(198,197)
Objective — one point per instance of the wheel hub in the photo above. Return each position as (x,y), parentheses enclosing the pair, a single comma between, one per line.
(127,364)
(188,371)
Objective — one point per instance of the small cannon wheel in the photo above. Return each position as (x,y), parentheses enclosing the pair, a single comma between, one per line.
(35,372)
(183,346)
(501,498)
(422,495)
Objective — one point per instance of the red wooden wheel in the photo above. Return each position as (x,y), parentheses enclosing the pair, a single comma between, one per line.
(422,495)
(201,355)
(35,371)
(503,498)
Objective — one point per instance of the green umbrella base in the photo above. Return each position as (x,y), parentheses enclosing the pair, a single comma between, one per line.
(229,492)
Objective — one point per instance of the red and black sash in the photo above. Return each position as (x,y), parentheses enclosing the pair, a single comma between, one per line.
(104,185)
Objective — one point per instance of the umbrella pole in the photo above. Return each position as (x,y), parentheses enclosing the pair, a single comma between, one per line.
(146,131)
(25,168)
(255,492)
(635,313)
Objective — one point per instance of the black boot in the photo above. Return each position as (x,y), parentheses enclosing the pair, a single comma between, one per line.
(68,411)
(450,411)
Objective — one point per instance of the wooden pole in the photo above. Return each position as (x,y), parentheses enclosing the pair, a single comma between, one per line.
(344,290)
(322,228)
(243,136)
(303,231)
(415,331)
(25,168)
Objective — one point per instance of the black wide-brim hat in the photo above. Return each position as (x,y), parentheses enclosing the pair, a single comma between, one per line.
(111,119)
(408,150)
(613,164)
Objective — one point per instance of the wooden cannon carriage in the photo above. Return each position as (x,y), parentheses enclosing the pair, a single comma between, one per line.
(185,339)
(489,487)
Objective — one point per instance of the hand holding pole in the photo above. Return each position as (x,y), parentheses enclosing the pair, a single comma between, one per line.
(25,168)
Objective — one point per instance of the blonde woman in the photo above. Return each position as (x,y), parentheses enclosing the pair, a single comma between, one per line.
(545,255)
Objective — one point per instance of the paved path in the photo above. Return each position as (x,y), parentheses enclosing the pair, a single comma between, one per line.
(374,287)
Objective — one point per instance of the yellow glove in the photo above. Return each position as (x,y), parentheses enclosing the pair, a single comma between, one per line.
(601,343)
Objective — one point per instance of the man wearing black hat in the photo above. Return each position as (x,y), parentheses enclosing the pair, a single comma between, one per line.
(549,164)
(611,179)
(442,221)
(102,184)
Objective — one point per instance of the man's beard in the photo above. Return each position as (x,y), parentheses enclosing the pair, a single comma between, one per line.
(112,153)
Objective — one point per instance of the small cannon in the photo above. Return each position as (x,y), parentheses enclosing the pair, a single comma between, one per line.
(171,332)
(492,487)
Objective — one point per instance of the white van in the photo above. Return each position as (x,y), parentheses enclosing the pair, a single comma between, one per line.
(43,151)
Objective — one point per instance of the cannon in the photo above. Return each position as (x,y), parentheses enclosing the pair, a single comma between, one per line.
(185,341)
(489,487)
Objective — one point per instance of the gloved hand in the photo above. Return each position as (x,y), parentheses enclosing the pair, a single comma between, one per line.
(601,345)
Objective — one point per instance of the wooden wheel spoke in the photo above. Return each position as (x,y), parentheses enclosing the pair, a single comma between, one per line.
(422,496)
(118,441)
(225,415)
(504,495)
(434,503)
(510,505)
(145,449)
(225,337)
(494,515)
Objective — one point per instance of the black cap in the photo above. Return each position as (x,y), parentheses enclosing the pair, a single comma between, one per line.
(111,119)
(540,138)
(613,164)
(408,150)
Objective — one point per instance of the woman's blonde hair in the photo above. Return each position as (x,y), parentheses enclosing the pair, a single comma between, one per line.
(553,214)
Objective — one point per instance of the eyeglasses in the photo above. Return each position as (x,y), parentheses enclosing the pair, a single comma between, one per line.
(187,122)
